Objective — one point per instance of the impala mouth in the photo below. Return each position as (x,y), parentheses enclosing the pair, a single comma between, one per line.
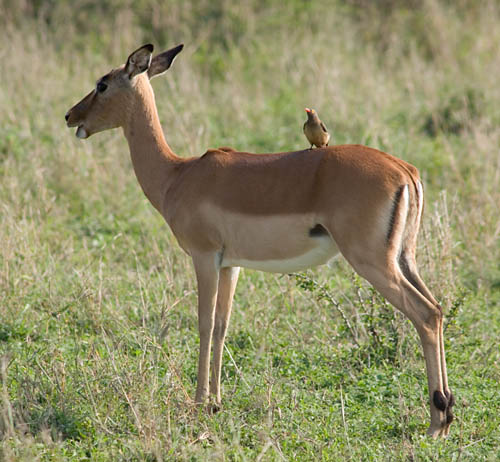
(81,132)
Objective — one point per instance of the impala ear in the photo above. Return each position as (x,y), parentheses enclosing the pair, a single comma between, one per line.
(139,61)
(160,63)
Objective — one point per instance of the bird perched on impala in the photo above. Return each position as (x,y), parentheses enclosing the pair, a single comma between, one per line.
(315,130)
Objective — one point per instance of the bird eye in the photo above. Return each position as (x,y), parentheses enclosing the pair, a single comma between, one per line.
(101,87)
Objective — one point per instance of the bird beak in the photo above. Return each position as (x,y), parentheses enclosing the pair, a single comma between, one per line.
(307,110)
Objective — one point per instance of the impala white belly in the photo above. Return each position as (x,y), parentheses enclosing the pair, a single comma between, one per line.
(321,253)
(276,243)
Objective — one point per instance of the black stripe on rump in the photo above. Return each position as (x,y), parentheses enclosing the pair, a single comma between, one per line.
(395,203)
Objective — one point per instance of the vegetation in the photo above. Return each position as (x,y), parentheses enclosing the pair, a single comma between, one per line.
(98,331)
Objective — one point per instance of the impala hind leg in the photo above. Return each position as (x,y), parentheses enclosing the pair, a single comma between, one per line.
(449,395)
(427,318)
(207,275)
(409,268)
(228,278)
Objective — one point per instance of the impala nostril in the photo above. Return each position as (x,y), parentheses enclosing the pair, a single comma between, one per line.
(66,116)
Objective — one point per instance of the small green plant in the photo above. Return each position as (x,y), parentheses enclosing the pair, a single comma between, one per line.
(369,322)
(458,303)
(321,293)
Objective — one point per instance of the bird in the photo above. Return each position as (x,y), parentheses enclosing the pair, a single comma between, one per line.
(315,130)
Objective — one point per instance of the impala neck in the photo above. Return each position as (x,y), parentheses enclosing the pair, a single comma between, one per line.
(153,160)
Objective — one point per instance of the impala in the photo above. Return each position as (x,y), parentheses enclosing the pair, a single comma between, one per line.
(280,212)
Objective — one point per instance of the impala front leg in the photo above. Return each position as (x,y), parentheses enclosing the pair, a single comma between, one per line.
(207,275)
(228,277)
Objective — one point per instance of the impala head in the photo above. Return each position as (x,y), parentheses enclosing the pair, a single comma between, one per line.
(108,104)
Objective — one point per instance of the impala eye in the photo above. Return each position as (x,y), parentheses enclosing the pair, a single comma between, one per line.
(101,87)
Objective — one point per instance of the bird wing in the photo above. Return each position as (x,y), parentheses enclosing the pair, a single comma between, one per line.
(323,127)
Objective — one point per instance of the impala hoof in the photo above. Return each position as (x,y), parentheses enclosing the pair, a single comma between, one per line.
(440,427)
(213,408)
(434,431)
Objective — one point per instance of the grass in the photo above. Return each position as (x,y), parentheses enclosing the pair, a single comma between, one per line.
(98,332)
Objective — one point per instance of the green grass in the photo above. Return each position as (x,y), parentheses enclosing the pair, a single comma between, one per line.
(98,328)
